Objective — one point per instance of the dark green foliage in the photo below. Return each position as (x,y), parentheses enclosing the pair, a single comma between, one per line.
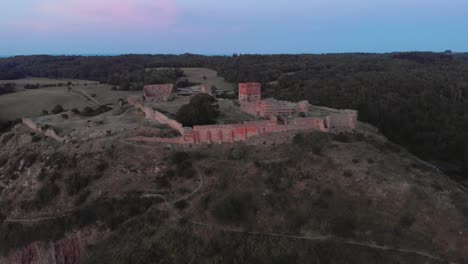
(81,198)
(407,220)
(7,88)
(31,86)
(162,182)
(202,110)
(185,83)
(7,125)
(89,111)
(178,156)
(236,208)
(75,183)
(47,192)
(314,141)
(181,205)
(347,173)
(239,152)
(102,166)
(29,158)
(342,227)
(57,109)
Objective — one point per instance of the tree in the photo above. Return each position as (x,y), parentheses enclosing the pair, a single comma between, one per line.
(202,110)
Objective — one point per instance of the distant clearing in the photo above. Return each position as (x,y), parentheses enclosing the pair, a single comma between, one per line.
(197,75)
(32,102)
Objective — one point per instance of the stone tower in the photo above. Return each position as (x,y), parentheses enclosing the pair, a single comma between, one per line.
(250,93)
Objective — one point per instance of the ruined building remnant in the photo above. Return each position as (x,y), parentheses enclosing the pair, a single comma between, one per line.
(277,120)
(250,100)
(158,92)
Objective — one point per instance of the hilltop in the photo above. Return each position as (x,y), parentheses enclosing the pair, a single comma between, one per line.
(321,197)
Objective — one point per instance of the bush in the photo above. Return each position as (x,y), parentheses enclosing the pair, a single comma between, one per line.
(342,227)
(82,198)
(47,193)
(162,182)
(45,112)
(407,220)
(238,153)
(234,208)
(178,157)
(343,137)
(181,205)
(64,116)
(102,166)
(75,183)
(347,173)
(57,109)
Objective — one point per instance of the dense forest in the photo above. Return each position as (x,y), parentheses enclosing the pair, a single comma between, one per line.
(418,100)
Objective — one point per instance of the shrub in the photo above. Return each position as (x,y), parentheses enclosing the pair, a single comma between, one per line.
(75,111)
(47,193)
(45,112)
(102,166)
(238,153)
(87,111)
(75,183)
(342,226)
(234,208)
(181,205)
(57,109)
(178,157)
(407,220)
(36,138)
(347,173)
(64,116)
(342,137)
(82,198)
(162,182)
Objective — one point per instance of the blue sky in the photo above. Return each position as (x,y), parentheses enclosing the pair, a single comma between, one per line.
(226,27)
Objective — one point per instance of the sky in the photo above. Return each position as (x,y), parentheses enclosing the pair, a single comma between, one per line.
(231,26)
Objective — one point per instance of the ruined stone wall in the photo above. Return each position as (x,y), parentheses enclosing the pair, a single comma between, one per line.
(157,116)
(338,121)
(158,93)
(49,132)
(309,123)
(343,121)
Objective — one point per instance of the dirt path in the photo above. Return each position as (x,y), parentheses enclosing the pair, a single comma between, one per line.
(82,95)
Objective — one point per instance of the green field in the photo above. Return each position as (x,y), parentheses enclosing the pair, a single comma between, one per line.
(31,102)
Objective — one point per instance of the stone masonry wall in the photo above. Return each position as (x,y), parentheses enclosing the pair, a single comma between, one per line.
(339,121)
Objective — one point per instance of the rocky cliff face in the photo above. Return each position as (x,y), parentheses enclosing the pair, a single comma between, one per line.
(65,251)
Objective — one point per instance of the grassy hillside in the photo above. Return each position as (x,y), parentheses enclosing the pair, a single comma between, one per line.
(322,198)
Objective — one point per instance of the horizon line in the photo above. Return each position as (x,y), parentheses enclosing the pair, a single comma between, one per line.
(214,54)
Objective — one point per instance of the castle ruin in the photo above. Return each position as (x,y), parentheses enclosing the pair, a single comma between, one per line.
(275,119)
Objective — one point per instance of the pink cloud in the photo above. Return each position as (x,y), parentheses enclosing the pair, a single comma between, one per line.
(72,15)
